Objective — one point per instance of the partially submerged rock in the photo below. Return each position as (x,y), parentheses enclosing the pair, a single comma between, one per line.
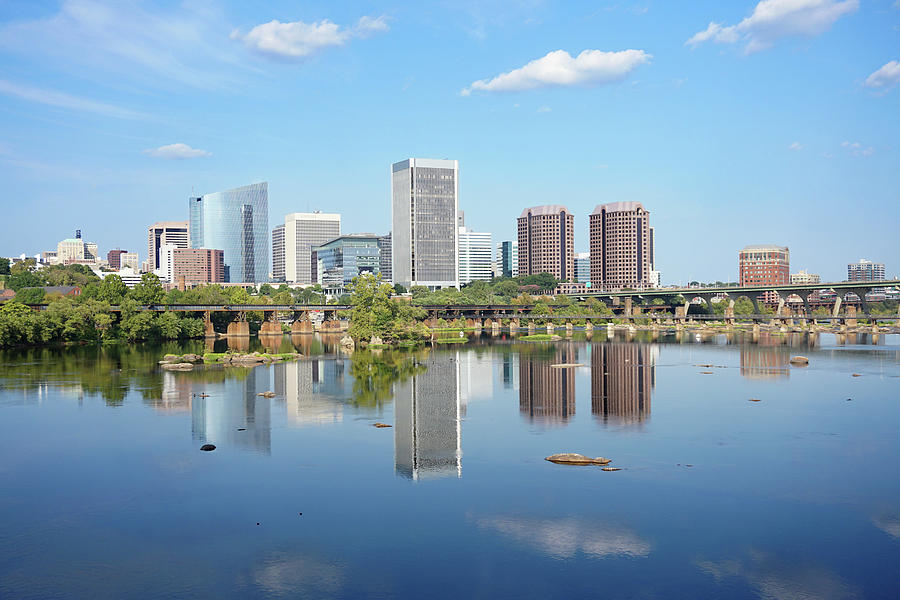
(799,360)
(611,469)
(706,372)
(755,400)
(855,375)
(267,394)
(569,458)
(185,366)
(566,365)
(381,425)
(207,447)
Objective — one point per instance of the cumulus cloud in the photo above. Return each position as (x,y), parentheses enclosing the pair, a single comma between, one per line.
(886,77)
(560,69)
(297,40)
(795,146)
(67,101)
(773,20)
(857,149)
(176,151)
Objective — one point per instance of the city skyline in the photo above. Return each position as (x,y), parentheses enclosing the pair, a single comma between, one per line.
(731,133)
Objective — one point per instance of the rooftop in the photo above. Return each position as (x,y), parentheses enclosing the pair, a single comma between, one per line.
(628,206)
(547,209)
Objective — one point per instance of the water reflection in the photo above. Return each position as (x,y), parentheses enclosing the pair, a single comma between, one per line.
(768,359)
(238,418)
(312,390)
(622,381)
(780,578)
(565,537)
(427,427)
(546,393)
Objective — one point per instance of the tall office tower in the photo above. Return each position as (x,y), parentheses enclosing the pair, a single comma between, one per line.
(474,255)
(583,267)
(427,426)
(91,252)
(765,264)
(173,233)
(508,258)
(547,394)
(278,253)
(424,205)
(303,232)
(385,258)
(114,258)
(622,380)
(865,270)
(621,246)
(235,221)
(547,241)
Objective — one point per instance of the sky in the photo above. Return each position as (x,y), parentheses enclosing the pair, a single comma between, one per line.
(734,123)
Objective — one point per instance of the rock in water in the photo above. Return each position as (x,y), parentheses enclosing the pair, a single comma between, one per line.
(856,375)
(570,458)
(799,360)
(381,425)
(178,366)
(755,400)
(268,394)
(611,469)
(207,447)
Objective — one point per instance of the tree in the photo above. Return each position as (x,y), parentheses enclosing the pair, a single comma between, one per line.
(18,324)
(149,291)
(266,290)
(112,290)
(4,266)
(22,275)
(32,295)
(399,289)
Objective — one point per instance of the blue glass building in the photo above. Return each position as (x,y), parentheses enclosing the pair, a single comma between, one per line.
(237,222)
(343,259)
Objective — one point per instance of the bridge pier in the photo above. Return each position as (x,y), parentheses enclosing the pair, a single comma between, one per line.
(550,327)
(588,326)
(530,327)
(851,321)
(208,324)
(513,326)
(239,329)
(301,324)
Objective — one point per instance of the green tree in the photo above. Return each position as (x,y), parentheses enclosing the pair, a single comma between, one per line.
(169,326)
(149,291)
(18,324)
(4,266)
(32,295)
(22,275)
(112,290)
(399,289)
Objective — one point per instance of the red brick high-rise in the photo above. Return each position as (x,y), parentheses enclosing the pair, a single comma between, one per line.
(547,241)
(621,243)
(198,265)
(765,264)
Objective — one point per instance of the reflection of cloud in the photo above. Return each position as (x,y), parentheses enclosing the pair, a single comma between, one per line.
(300,576)
(562,538)
(889,523)
(777,579)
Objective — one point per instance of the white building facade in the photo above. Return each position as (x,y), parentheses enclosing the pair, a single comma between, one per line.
(475,250)
(302,232)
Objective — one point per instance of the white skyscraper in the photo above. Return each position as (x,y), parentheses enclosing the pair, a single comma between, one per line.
(474,255)
(424,205)
(302,232)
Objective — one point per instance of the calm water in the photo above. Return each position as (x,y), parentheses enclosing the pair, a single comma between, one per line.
(105,493)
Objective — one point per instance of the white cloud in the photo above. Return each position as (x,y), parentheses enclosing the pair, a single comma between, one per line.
(559,69)
(795,146)
(773,20)
(176,151)
(886,77)
(856,149)
(62,100)
(298,40)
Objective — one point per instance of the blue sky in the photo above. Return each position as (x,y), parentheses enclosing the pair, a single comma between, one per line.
(733,122)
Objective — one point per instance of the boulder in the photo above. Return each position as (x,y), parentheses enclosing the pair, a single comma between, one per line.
(381,425)
(207,447)
(347,342)
(376,341)
(611,469)
(799,360)
(267,394)
(569,458)
(184,366)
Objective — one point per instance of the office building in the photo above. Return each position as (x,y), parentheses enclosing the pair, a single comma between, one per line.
(303,232)
(198,266)
(173,233)
(343,259)
(547,241)
(865,270)
(582,267)
(804,277)
(424,205)
(278,253)
(114,258)
(129,260)
(235,221)
(621,246)
(508,259)
(72,251)
(764,264)
(385,257)
(475,252)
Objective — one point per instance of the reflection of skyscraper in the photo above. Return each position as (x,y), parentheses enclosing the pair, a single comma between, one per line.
(622,380)
(546,393)
(765,361)
(476,380)
(176,394)
(218,419)
(427,435)
(510,369)
(312,390)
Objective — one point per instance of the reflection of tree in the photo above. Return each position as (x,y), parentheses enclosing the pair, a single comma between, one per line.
(375,373)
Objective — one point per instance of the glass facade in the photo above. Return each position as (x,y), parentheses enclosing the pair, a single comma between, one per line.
(508,257)
(235,221)
(342,260)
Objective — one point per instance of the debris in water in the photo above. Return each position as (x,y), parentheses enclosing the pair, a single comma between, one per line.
(381,425)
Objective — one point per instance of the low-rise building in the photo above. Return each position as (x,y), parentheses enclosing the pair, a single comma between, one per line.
(345,258)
